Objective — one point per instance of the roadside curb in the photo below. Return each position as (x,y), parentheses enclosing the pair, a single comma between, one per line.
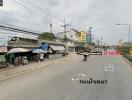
(31,69)
(24,72)
(126,60)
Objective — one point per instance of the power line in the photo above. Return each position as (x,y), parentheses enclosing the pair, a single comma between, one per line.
(37,10)
(16,30)
(22,28)
(44,10)
(21,4)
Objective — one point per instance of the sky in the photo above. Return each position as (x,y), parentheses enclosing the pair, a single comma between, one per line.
(102,15)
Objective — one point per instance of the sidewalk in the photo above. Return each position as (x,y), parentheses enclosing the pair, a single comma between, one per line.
(9,72)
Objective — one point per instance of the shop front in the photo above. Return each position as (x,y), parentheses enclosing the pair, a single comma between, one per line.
(3,58)
(54,50)
(18,56)
(59,50)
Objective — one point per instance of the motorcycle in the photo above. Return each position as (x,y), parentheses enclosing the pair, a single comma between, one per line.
(85,58)
(85,54)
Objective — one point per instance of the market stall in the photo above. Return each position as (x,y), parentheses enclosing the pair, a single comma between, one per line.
(3,59)
(18,56)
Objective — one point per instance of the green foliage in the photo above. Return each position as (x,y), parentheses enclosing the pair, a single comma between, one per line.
(124,51)
(129,57)
(46,36)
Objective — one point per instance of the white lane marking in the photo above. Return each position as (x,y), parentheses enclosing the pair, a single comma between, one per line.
(67,97)
(109,67)
(82,74)
(75,79)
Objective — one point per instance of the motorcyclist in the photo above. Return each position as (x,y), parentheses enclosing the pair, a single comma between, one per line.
(85,58)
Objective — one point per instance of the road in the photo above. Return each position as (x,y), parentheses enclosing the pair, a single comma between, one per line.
(60,81)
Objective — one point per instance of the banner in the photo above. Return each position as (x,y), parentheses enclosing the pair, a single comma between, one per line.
(44,46)
(83,37)
(3,49)
(88,38)
(130,51)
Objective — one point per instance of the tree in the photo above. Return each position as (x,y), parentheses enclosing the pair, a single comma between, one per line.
(46,36)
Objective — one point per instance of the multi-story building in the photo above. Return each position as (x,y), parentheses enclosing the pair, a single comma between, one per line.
(120,43)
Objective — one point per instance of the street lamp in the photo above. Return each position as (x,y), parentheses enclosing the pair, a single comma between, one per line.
(129,31)
(101,42)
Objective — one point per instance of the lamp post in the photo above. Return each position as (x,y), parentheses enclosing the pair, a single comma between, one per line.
(101,42)
(129,31)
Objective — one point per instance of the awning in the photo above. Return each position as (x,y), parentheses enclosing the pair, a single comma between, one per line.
(39,51)
(18,50)
(57,47)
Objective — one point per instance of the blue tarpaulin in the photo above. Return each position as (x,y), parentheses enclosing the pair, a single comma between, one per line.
(44,46)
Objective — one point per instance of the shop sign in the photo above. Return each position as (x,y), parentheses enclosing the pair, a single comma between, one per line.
(3,49)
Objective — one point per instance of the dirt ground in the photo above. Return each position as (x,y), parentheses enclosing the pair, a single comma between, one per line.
(11,71)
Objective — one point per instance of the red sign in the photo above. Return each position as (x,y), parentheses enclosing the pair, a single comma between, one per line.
(3,49)
(110,53)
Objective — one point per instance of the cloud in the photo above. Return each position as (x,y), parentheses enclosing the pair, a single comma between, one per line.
(102,15)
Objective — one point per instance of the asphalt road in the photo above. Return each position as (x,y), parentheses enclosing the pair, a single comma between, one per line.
(61,81)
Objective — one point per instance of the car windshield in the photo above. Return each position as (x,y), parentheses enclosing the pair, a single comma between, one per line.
(65,50)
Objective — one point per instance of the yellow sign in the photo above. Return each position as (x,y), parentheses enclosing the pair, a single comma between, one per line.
(83,37)
(130,51)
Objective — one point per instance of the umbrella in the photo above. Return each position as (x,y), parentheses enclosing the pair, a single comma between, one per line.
(17,50)
(38,51)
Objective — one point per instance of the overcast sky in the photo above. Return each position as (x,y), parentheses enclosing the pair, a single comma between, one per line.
(102,15)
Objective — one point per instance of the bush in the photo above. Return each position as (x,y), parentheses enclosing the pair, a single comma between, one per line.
(129,57)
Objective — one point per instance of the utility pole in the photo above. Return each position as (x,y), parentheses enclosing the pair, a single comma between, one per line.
(129,40)
(101,42)
(129,32)
(65,27)
(65,37)
(50,28)
(98,43)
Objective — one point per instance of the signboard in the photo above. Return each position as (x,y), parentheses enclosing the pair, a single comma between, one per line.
(44,46)
(83,37)
(88,39)
(3,49)
(13,41)
(130,51)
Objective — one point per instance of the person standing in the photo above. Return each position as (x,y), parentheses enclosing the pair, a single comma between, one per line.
(41,56)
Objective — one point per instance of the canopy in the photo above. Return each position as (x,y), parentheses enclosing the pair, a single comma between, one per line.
(18,50)
(57,47)
(39,51)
